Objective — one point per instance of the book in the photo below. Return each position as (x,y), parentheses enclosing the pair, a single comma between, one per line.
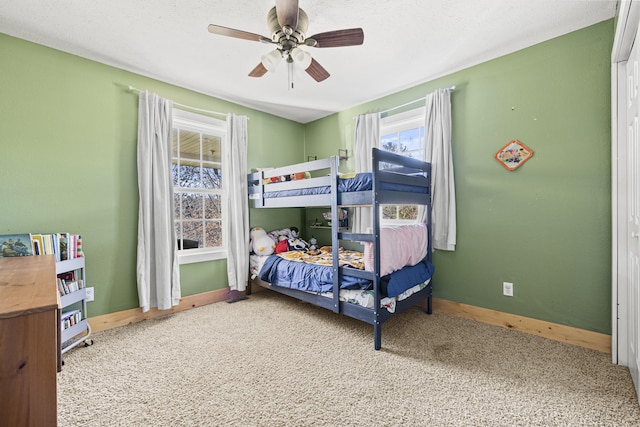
(60,284)
(48,244)
(15,245)
(36,247)
(78,246)
(63,242)
(37,241)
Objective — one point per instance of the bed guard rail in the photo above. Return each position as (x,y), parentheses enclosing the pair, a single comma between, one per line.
(268,181)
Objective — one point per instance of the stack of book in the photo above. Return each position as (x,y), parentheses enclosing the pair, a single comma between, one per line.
(65,246)
(70,318)
(68,283)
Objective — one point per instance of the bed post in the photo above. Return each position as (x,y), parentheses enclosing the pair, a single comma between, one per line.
(335,242)
(375,218)
(430,239)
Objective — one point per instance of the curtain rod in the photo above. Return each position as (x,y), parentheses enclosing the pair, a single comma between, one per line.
(134,89)
(451,89)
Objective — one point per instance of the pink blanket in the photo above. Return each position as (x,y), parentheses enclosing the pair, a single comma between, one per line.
(399,246)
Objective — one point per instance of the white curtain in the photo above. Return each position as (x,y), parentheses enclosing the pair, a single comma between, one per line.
(237,220)
(367,135)
(437,135)
(158,272)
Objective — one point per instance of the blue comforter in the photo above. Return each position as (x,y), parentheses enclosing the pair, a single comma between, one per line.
(319,278)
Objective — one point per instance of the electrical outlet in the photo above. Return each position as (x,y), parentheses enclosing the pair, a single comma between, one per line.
(89,293)
(507,289)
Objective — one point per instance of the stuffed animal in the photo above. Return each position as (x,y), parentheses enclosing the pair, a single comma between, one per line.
(297,244)
(270,180)
(290,236)
(282,246)
(261,243)
(313,248)
(313,244)
(287,233)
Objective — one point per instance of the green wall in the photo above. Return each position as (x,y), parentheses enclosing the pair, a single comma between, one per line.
(68,163)
(546,226)
(68,130)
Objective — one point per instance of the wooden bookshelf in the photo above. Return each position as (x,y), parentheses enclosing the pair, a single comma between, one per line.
(28,337)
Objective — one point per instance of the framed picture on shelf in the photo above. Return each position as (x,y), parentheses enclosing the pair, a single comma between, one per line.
(15,245)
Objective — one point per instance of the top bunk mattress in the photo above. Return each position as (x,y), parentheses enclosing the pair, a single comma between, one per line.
(360,182)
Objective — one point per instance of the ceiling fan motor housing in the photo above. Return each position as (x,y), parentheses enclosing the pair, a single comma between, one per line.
(279,35)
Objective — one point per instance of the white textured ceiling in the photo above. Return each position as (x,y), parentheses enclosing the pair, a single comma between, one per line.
(406,42)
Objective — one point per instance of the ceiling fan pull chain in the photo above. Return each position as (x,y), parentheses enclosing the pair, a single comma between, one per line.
(290,74)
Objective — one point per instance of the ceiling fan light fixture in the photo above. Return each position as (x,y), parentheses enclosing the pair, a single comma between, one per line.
(271,60)
(301,57)
(287,24)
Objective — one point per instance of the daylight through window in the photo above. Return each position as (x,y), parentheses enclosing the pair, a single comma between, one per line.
(403,134)
(197,182)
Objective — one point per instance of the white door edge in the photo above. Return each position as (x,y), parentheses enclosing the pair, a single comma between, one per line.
(625,34)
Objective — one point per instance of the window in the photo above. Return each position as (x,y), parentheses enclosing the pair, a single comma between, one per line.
(198,188)
(403,134)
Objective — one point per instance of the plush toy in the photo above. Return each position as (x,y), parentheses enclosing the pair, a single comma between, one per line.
(261,243)
(297,244)
(282,246)
(291,239)
(313,244)
(287,233)
(270,180)
(313,248)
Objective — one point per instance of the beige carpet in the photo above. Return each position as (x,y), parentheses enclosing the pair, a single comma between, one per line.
(274,361)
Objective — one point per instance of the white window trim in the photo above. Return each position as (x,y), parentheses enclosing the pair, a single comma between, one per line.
(203,124)
(191,256)
(402,121)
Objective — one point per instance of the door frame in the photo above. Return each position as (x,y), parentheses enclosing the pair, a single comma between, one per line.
(626,29)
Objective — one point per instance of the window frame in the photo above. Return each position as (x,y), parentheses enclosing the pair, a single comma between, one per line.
(188,121)
(397,123)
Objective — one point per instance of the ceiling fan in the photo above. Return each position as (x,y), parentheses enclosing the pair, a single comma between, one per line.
(288,26)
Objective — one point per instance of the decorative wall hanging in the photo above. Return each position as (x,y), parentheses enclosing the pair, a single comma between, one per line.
(513,155)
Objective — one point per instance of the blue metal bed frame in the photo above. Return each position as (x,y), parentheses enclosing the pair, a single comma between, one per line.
(387,168)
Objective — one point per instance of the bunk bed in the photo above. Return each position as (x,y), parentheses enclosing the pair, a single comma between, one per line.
(394,179)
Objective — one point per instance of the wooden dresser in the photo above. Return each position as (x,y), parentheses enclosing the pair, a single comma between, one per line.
(29,351)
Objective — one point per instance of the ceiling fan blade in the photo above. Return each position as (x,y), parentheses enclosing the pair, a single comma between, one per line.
(259,71)
(287,12)
(338,38)
(317,71)
(239,34)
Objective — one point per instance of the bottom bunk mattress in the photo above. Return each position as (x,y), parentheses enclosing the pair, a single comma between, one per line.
(293,270)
